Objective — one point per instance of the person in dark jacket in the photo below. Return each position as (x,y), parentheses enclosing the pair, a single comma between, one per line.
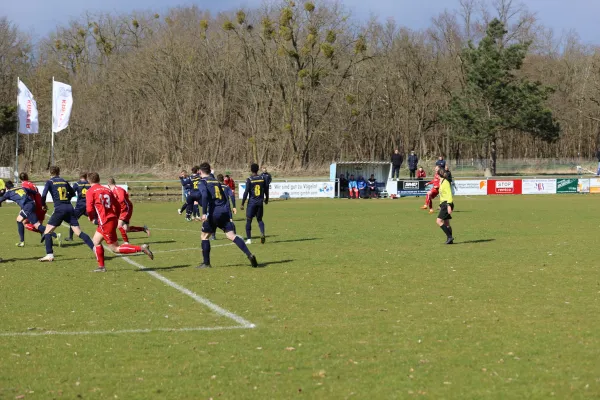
(598,157)
(441,163)
(372,183)
(343,185)
(413,163)
(397,160)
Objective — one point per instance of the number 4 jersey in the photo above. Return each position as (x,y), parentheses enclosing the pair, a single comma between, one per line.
(101,204)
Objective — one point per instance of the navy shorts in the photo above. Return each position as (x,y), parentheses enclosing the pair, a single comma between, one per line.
(28,212)
(194,196)
(220,221)
(63,213)
(80,211)
(255,210)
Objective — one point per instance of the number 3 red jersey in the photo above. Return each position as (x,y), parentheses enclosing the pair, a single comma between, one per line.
(102,204)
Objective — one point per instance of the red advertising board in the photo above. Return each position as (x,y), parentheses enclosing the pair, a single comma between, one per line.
(505,186)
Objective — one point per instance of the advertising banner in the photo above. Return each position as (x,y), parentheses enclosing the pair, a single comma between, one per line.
(504,187)
(567,185)
(470,188)
(539,186)
(583,186)
(412,188)
(297,190)
(595,185)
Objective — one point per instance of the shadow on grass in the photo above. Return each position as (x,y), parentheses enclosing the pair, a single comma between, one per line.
(477,241)
(162,268)
(260,265)
(294,240)
(159,241)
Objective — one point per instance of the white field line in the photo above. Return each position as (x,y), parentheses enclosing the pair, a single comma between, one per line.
(122,331)
(199,299)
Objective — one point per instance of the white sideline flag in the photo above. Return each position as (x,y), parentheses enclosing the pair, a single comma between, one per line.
(28,114)
(62,103)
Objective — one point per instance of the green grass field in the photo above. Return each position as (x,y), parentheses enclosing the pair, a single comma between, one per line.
(358,299)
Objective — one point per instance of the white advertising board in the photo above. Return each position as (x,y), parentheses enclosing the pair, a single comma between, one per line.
(539,186)
(470,188)
(296,190)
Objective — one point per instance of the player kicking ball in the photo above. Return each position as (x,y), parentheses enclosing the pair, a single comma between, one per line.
(126,212)
(216,213)
(446,205)
(101,204)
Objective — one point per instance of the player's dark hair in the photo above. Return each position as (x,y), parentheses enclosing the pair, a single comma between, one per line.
(254,168)
(23,176)
(9,185)
(195,169)
(220,178)
(205,167)
(54,170)
(83,175)
(111,181)
(93,177)
(441,172)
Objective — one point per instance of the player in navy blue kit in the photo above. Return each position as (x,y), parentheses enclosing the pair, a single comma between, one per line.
(186,184)
(61,192)
(258,192)
(194,199)
(231,196)
(216,213)
(80,187)
(22,197)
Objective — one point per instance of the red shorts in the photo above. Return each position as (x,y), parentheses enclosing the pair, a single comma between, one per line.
(126,217)
(434,193)
(109,231)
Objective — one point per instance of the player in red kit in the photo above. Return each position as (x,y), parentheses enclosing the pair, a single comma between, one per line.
(102,204)
(230,182)
(433,193)
(126,211)
(37,198)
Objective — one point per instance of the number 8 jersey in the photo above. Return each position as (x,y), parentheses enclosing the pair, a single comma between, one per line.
(257,190)
(101,204)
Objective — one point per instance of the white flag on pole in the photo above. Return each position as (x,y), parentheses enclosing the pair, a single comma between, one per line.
(62,103)
(28,114)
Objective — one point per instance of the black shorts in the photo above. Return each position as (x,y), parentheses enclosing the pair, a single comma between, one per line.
(80,211)
(220,221)
(443,215)
(28,212)
(63,213)
(255,210)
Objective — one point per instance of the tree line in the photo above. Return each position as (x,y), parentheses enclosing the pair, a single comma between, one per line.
(293,85)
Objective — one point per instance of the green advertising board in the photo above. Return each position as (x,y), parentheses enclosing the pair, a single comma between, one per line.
(566,185)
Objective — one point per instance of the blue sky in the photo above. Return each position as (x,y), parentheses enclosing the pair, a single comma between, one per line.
(42,16)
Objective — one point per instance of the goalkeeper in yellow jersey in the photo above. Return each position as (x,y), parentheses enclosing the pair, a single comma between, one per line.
(446,206)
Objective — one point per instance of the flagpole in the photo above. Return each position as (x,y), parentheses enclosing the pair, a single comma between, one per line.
(52,126)
(16,172)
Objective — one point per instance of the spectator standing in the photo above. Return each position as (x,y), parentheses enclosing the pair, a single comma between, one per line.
(397,160)
(413,162)
(372,184)
(441,163)
(267,176)
(421,173)
(352,187)
(598,157)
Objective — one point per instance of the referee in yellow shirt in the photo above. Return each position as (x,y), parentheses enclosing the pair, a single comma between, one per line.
(446,206)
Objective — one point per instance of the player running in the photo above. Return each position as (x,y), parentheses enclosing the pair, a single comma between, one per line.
(258,191)
(126,207)
(216,213)
(231,196)
(433,193)
(194,199)
(22,197)
(80,187)
(102,204)
(446,207)
(186,184)
(61,192)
